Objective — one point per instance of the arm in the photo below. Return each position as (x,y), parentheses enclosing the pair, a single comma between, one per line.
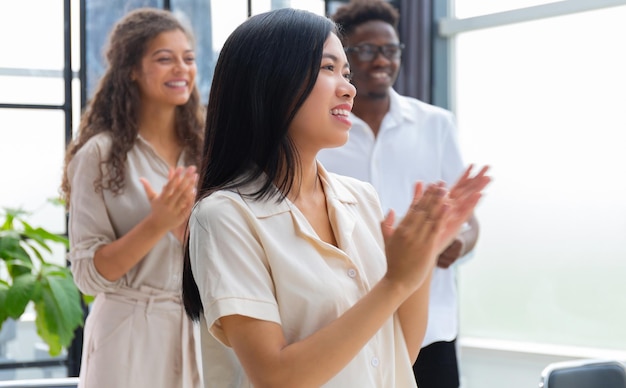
(411,251)
(170,209)
(269,361)
(413,313)
(452,165)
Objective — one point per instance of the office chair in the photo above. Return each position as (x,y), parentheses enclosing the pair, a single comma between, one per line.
(584,374)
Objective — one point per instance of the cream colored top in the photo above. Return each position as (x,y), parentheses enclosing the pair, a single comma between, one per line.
(137,333)
(263,259)
(97,219)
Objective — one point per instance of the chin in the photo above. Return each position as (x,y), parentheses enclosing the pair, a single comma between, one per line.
(181,101)
(379,94)
(338,142)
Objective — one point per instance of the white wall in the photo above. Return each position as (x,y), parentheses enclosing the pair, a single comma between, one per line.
(498,364)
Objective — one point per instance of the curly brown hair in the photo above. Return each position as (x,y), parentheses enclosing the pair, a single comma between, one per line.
(116,103)
(357,12)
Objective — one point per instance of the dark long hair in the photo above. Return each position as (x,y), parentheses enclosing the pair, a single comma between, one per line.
(115,105)
(266,70)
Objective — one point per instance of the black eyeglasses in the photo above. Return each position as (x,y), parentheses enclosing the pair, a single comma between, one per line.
(367,52)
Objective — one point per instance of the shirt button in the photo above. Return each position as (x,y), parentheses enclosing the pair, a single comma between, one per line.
(375,362)
(351,272)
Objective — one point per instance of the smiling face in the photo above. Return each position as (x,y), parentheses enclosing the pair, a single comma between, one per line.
(374,78)
(322,121)
(167,70)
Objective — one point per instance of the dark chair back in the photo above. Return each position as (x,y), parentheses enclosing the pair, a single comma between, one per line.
(584,374)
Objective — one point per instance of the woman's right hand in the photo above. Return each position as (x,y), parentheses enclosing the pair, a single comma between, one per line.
(172,206)
(433,219)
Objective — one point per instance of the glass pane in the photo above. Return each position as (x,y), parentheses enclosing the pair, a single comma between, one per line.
(100,16)
(32,146)
(315,6)
(543,104)
(225,17)
(32,90)
(19,342)
(32,34)
(471,8)
(198,14)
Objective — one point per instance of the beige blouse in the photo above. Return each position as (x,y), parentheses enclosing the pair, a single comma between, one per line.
(97,219)
(263,259)
(137,333)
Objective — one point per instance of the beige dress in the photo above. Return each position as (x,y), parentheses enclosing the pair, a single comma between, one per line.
(137,333)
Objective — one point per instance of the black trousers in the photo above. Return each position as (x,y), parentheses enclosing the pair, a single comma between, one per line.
(437,367)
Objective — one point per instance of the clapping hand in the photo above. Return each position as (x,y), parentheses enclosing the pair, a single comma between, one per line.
(430,225)
(171,207)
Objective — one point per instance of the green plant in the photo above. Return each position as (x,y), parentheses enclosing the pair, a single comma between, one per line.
(26,276)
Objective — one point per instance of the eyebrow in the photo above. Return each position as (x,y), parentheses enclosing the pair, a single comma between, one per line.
(169,51)
(335,58)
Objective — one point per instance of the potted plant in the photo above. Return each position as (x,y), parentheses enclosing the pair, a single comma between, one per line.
(26,275)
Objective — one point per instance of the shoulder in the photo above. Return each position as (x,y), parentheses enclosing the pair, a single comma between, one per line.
(99,144)
(219,202)
(92,153)
(222,208)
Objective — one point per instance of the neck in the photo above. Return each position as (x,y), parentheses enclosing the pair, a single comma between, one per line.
(372,110)
(157,123)
(307,184)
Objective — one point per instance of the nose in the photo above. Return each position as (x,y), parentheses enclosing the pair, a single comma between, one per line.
(379,56)
(347,90)
(181,65)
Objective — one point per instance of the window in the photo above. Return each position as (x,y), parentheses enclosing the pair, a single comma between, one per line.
(542,102)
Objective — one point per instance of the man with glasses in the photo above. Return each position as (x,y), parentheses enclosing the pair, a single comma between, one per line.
(394,142)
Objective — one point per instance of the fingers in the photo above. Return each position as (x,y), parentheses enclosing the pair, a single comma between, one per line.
(386,225)
(178,194)
(148,189)
(427,207)
(181,184)
(466,185)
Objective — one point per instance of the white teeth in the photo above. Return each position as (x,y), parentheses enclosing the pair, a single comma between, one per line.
(379,75)
(177,83)
(339,112)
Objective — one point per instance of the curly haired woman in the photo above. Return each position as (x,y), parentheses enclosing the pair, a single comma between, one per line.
(129,183)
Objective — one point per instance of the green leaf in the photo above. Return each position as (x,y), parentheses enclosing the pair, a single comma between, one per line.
(59,312)
(17,260)
(50,287)
(57,201)
(49,269)
(88,299)
(51,236)
(36,252)
(41,237)
(4,288)
(8,222)
(19,294)
(47,323)
(11,215)
(9,241)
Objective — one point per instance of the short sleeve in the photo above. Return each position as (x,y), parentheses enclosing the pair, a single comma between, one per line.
(89,224)
(229,263)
